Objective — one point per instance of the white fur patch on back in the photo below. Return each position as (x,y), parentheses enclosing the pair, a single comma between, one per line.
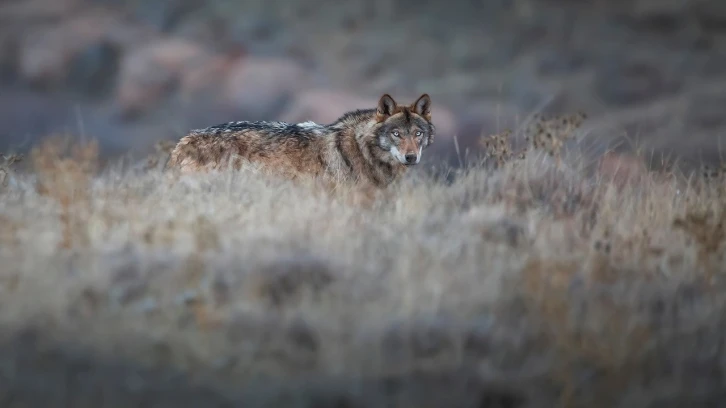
(308,124)
(277,125)
(311,126)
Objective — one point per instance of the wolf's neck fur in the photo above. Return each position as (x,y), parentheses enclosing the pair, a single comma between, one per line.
(357,143)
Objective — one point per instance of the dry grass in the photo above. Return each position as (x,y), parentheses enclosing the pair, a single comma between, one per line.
(534,284)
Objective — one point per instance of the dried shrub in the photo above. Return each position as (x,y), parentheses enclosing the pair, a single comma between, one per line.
(6,166)
(64,173)
(550,133)
(708,231)
(500,147)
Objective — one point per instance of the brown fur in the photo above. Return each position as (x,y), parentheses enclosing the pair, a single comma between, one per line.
(368,145)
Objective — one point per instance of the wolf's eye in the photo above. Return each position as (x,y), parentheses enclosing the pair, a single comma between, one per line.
(395,133)
(418,133)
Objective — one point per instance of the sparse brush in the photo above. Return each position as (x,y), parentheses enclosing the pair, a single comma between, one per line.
(64,173)
(6,165)
(713,181)
(714,174)
(500,147)
(550,133)
(708,230)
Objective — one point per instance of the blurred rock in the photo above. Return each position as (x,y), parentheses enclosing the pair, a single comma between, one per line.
(558,56)
(659,16)
(207,30)
(256,34)
(93,71)
(710,64)
(87,45)
(479,51)
(261,87)
(559,61)
(626,83)
(711,15)
(19,114)
(28,116)
(45,54)
(8,58)
(164,15)
(150,73)
(207,75)
(33,10)
(324,105)
(705,110)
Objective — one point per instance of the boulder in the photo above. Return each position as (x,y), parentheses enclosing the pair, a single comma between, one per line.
(627,82)
(33,10)
(261,87)
(77,50)
(325,105)
(150,73)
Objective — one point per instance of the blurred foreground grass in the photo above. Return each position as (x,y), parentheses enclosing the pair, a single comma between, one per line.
(526,279)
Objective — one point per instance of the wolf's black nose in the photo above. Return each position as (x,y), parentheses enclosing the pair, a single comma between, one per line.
(411,158)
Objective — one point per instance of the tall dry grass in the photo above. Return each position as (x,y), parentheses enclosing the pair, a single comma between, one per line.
(525,280)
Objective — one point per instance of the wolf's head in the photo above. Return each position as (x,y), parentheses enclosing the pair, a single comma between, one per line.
(405,131)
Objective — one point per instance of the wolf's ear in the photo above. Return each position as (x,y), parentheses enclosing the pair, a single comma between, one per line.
(386,107)
(422,106)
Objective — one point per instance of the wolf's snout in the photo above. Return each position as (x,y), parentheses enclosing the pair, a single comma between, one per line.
(410,158)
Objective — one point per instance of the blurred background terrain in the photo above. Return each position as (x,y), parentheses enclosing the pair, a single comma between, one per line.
(133,72)
(123,290)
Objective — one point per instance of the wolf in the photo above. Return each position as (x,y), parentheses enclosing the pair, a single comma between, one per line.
(374,146)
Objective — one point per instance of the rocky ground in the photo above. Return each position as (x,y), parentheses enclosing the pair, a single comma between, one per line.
(131,73)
